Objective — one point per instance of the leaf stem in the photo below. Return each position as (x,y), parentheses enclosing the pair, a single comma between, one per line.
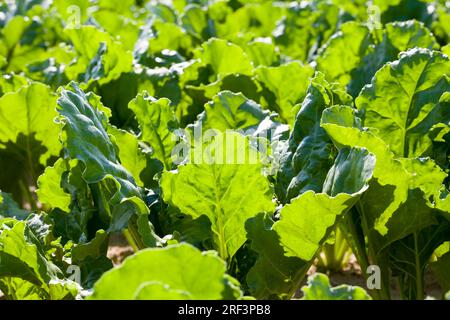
(420,295)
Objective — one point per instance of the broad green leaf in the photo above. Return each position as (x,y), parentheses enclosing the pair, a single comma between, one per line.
(262,52)
(229,110)
(413,86)
(407,219)
(11,82)
(345,182)
(288,83)
(123,29)
(120,6)
(319,288)
(344,52)
(273,275)
(345,129)
(15,53)
(169,36)
(224,58)
(29,140)
(91,258)
(287,247)
(195,21)
(227,192)
(158,123)
(30,112)
(168,273)
(446,49)
(247,22)
(50,192)
(130,154)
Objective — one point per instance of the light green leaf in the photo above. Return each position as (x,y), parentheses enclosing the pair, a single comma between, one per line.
(30,112)
(287,247)
(229,110)
(307,26)
(50,192)
(224,58)
(169,36)
(158,123)
(288,83)
(304,222)
(412,87)
(344,129)
(16,54)
(228,193)
(130,154)
(353,55)
(168,273)
(319,288)
(100,58)
(25,270)
(262,52)
(11,82)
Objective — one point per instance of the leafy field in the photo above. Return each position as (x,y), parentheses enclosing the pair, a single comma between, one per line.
(234,144)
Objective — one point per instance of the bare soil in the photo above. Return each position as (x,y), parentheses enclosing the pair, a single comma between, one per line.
(118,249)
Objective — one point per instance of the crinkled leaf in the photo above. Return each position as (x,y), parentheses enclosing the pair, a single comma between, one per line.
(310,153)
(87,140)
(158,123)
(25,270)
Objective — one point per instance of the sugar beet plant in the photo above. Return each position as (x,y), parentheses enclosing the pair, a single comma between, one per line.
(232,143)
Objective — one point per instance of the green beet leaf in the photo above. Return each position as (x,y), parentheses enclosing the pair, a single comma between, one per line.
(319,288)
(169,273)
(227,192)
